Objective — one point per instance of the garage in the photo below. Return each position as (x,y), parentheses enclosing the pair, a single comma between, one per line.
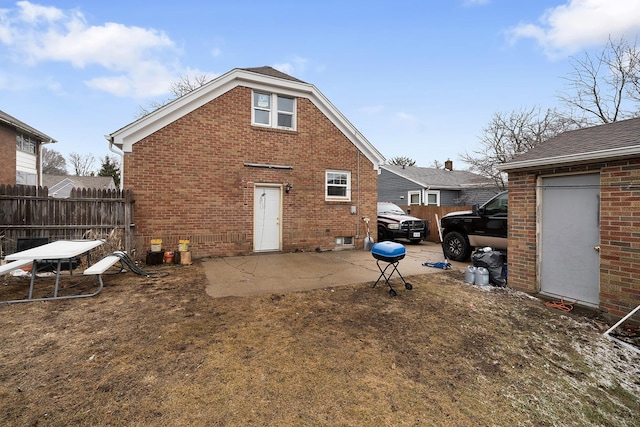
(574,217)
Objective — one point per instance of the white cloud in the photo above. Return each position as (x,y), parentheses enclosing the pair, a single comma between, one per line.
(581,23)
(295,68)
(33,13)
(118,85)
(409,120)
(138,62)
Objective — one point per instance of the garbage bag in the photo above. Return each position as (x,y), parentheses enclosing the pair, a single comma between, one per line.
(492,261)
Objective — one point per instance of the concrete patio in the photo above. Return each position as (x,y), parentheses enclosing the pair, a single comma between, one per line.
(289,272)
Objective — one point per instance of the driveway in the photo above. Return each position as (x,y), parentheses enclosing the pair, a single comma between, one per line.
(289,272)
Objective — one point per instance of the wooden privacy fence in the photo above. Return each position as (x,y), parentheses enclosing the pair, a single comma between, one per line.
(429,213)
(29,212)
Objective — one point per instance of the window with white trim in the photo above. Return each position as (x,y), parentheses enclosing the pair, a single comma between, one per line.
(415,198)
(273,110)
(432,198)
(26,178)
(337,185)
(26,143)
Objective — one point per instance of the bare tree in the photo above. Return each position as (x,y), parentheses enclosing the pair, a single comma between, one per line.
(82,165)
(402,161)
(53,162)
(511,134)
(436,165)
(181,87)
(605,87)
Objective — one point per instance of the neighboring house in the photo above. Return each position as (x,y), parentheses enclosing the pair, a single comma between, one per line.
(253,161)
(574,217)
(20,152)
(60,186)
(412,185)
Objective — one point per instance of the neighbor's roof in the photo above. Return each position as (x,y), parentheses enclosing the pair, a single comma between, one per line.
(61,185)
(439,178)
(23,127)
(604,142)
(262,78)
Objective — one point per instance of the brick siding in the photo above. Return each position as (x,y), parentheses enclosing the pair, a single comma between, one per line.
(8,155)
(619,232)
(190,181)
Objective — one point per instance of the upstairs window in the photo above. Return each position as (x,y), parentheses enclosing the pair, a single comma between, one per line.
(272,110)
(338,185)
(26,143)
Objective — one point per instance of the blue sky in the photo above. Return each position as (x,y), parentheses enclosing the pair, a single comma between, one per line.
(418,78)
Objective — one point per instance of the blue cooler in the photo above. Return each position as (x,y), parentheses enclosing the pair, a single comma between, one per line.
(388,251)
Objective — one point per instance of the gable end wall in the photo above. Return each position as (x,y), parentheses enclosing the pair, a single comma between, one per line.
(190,181)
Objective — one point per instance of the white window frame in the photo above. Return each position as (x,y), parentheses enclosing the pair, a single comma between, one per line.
(426,197)
(347,186)
(413,193)
(26,143)
(273,110)
(26,178)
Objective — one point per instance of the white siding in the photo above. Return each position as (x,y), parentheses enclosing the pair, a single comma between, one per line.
(26,162)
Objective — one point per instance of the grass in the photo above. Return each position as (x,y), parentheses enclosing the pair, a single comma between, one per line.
(161,352)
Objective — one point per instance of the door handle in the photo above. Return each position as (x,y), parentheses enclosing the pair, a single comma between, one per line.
(596,248)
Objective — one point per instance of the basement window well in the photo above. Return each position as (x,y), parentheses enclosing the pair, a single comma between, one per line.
(344,241)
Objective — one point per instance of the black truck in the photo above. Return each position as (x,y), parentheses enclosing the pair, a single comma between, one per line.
(484,225)
(394,223)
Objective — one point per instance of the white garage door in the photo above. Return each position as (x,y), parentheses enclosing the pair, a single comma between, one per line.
(570,236)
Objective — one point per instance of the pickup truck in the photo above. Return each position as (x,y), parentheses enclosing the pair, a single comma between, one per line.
(484,225)
(394,223)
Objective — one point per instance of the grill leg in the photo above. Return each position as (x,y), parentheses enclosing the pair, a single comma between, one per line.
(383,272)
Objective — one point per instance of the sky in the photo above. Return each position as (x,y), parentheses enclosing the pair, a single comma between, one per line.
(418,78)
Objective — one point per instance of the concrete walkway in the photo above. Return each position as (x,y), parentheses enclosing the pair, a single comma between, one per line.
(289,272)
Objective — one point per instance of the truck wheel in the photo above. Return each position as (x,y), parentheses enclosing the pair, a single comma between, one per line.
(382,234)
(456,247)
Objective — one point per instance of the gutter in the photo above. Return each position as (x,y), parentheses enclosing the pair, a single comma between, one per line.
(588,157)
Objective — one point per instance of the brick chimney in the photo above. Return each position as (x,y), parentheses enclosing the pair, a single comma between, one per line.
(448,165)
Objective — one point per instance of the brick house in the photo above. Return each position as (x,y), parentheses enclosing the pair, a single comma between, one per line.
(253,161)
(419,186)
(574,217)
(20,151)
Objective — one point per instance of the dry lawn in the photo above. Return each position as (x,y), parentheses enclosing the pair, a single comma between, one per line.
(159,351)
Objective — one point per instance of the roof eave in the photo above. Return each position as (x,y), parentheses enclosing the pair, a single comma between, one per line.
(571,159)
(23,127)
(125,137)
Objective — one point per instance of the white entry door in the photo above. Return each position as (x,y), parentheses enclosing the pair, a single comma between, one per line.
(570,238)
(266,218)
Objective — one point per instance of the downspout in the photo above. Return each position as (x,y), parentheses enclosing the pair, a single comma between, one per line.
(39,183)
(120,153)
